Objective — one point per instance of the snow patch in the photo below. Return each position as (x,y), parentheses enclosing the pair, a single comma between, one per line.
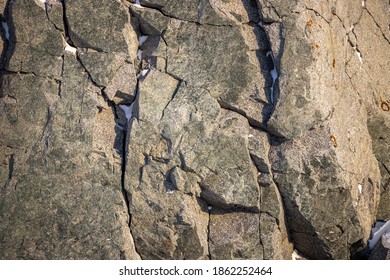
(143,73)
(5,26)
(363,3)
(274,75)
(138,4)
(69,48)
(142,39)
(360,188)
(209,208)
(128,109)
(296,256)
(377,234)
(359,54)
(139,55)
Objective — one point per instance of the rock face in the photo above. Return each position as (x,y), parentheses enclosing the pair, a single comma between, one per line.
(203,129)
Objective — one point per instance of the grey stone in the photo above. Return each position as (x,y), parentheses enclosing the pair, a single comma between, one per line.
(196,55)
(187,10)
(36,45)
(103,26)
(151,22)
(256,127)
(235,236)
(102,66)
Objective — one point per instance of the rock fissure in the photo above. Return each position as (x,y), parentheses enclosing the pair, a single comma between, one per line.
(252,122)
(377,24)
(162,122)
(318,14)
(11,163)
(47,129)
(208,233)
(200,14)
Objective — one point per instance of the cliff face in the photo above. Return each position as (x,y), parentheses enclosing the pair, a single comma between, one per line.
(193,129)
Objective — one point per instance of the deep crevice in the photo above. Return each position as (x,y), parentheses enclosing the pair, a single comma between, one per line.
(47,9)
(213,199)
(208,233)
(171,99)
(46,130)
(62,76)
(159,9)
(11,163)
(252,122)
(376,23)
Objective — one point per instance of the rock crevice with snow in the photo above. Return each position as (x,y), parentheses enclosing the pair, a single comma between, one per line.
(201,129)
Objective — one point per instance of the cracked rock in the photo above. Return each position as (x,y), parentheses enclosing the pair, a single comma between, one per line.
(199,129)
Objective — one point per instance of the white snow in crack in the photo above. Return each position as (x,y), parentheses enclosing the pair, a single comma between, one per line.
(274,75)
(5,26)
(296,255)
(142,39)
(363,3)
(359,54)
(138,4)
(139,55)
(143,73)
(209,208)
(360,188)
(128,109)
(69,48)
(377,234)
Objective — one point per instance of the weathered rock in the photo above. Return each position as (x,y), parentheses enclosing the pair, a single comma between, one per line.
(102,66)
(150,22)
(187,11)
(61,183)
(121,88)
(235,236)
(192,129)
(197,55)
(176,227)
(102,26)
(36,46)
(372,42)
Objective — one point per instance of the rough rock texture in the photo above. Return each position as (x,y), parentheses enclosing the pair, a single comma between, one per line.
(202,129)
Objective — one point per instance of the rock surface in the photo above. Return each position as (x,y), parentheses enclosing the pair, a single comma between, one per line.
(201,129)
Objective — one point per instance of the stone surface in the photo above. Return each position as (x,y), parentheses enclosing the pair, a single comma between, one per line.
(29,27)
(235,236)
(207,129)
(93,25)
